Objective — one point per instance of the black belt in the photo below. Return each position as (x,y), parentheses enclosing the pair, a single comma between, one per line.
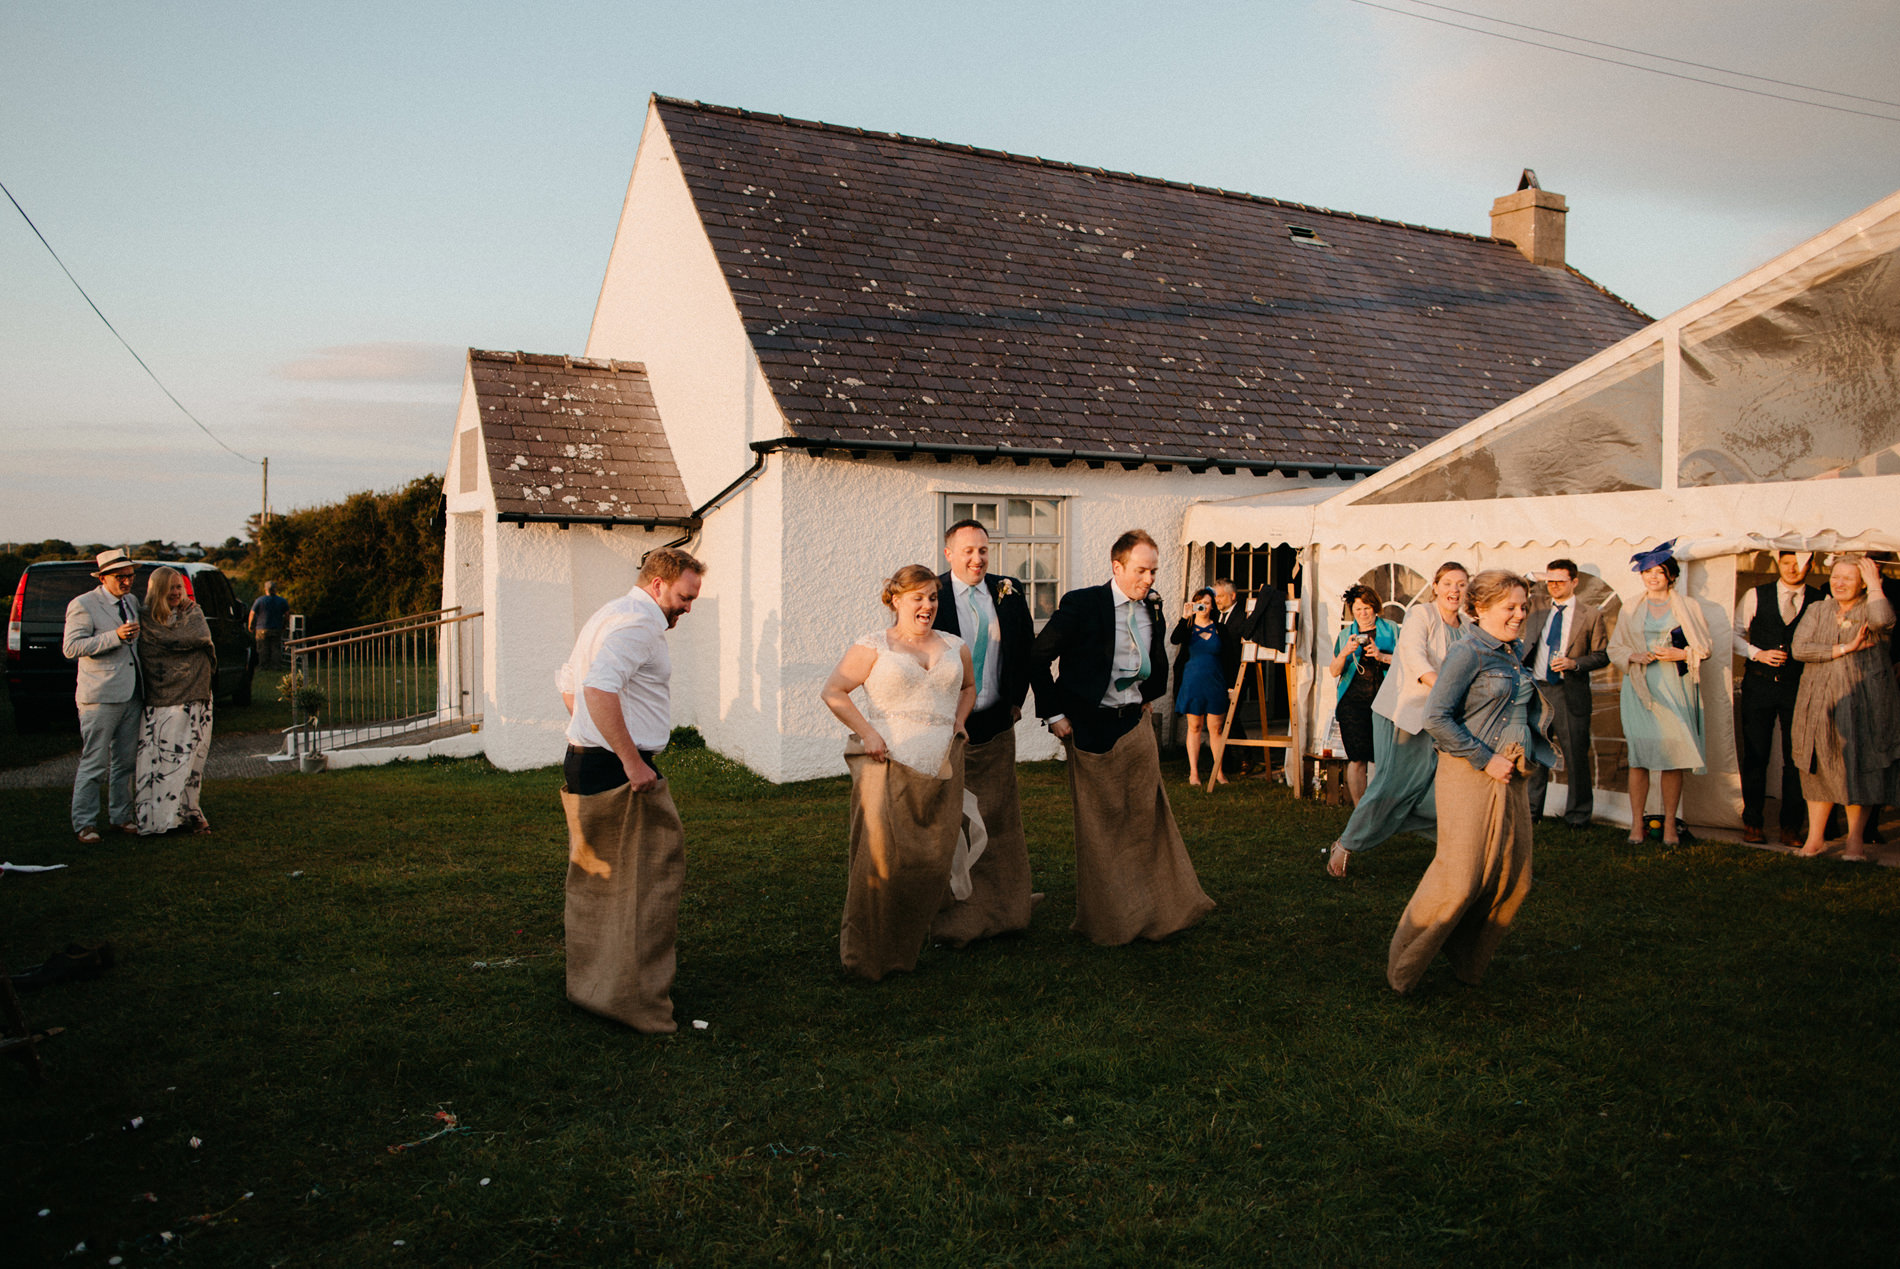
(1122,711)
(582,751)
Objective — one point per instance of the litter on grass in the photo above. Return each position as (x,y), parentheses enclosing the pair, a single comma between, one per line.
(700,1026)
(449,1125)
(29,867)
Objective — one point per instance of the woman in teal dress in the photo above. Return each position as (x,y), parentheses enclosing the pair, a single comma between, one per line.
(1661,643)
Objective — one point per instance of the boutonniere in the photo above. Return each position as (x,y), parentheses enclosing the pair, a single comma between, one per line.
(1005,587)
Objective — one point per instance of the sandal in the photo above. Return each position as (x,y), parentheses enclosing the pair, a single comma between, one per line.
(88,835)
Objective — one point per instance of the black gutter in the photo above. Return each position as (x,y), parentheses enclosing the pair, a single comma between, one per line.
(713,503)
(560,520)
(943,452)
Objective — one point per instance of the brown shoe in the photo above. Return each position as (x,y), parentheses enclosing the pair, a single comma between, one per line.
(1789,837)
(1752,834)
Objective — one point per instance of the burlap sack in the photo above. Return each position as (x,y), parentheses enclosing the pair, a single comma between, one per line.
(999,879)
(1476,882)
(1133,878)
(626,862)
(904,827)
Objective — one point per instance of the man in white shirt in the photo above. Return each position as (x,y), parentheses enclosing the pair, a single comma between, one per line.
(1564,645)
(1764,631)
(626,848)
(1133,878)
(990,613)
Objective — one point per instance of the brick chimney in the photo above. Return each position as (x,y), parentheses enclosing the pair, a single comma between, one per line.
(1532,219)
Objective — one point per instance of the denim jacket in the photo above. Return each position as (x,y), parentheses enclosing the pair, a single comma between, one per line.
(1471,702)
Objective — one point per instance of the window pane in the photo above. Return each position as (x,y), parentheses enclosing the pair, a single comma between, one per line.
(1045,526)
(1018,518)
(1042,600)
(1016,559)
(962,511)
(1042,562)
(985,514)
(1799,389)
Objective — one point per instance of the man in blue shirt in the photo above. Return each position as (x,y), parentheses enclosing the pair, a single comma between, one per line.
(270,616)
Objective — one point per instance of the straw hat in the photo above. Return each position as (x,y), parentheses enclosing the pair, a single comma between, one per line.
(114,561)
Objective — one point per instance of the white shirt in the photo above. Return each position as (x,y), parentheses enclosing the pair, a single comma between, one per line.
(1127,651)
(1745,614)
(1560,614)
(622,650)
(989,688)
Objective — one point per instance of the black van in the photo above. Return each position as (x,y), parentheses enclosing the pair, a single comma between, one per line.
(42,681)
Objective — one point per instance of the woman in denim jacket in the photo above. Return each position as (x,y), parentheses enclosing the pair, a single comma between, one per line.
(1489,725)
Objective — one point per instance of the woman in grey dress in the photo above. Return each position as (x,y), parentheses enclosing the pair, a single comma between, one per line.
(1847,715)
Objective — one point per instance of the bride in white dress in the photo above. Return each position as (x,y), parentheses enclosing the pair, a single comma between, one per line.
(906,761)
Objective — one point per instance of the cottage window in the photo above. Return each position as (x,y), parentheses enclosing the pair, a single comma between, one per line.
(1025,542)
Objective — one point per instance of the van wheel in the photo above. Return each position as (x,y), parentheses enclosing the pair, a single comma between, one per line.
(241,694)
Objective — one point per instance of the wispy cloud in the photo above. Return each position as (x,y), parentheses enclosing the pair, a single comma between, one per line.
(395,362)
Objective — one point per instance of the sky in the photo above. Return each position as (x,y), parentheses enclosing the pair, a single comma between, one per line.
(301,217)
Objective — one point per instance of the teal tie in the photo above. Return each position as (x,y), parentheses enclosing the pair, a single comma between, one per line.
(979,640)
(1134,637)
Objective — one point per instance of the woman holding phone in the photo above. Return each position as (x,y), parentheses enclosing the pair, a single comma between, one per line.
(1361,655)
(1199,694)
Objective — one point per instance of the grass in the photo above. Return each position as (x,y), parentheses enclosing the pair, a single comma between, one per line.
(1678,1059)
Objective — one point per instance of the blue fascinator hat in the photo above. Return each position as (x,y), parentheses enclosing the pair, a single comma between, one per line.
(1643,561)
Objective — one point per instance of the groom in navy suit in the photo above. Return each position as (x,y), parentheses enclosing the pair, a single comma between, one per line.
(991,616)
(1133,878)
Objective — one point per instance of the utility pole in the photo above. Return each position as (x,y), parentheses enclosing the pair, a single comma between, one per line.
(264,516)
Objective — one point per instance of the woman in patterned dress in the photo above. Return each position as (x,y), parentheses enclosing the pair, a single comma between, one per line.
(179,665)
(1847,715)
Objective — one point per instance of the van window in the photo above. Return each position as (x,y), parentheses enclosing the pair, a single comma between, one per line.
(49,590)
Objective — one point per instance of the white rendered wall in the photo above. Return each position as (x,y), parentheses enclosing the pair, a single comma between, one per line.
(851,523)
(664,303)
(545,582)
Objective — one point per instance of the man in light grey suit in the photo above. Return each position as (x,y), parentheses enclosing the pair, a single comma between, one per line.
(102,630)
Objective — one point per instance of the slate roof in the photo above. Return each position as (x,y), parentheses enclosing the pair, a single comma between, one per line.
(901,290)
(574,438)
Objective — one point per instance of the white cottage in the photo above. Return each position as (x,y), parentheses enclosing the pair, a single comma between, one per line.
(816,346)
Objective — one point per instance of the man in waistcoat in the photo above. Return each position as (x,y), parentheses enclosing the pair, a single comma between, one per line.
(1764,630)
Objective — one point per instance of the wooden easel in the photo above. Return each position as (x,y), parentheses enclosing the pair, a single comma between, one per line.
(1268,739)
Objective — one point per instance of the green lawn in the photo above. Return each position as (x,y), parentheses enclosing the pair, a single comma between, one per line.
(1679,1058)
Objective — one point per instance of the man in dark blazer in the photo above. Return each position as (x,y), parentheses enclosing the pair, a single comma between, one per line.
(1563,645)
(1133,878)
(991,615)
(1763,634)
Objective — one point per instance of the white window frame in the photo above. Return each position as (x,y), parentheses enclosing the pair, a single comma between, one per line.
(961,506)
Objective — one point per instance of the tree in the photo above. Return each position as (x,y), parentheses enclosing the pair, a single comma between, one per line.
(369,558)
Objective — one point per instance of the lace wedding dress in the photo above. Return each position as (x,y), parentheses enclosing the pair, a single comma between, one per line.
(913,708)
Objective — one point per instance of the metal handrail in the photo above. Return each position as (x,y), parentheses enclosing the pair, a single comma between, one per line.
(414,618)
(322,643)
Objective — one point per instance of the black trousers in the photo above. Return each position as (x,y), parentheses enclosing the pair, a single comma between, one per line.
(589,770)
(1097,729)
(1571,729)
(1762,712)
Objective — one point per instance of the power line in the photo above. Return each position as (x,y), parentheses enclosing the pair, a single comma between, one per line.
(1661,57)
(115,330)
(1653,70)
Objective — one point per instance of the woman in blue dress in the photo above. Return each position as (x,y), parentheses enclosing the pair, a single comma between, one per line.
(1361,654)
(1199,693)
(1660,643)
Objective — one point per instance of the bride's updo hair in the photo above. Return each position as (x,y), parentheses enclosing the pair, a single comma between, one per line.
(1488,587)
(906,579)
